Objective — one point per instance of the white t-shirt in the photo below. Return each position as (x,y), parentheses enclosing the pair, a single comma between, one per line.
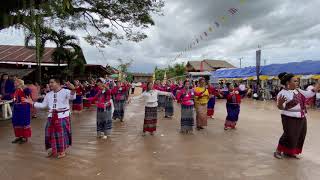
(151,97)
(289,94)
(63,97)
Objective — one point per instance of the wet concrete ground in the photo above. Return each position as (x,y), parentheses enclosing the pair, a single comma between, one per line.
(244,154)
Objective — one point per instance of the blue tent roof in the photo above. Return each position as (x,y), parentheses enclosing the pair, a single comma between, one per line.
(299,68)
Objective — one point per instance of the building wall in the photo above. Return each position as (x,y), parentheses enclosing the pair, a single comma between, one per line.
(141,78)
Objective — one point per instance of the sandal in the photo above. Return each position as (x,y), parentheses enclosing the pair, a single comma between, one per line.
(17,140)
(61,155)
(23,140)
(277,155)
(49,153)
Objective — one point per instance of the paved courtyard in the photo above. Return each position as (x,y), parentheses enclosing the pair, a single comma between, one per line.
(244,154)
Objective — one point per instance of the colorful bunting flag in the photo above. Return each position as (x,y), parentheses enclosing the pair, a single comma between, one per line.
(217,24)
(233,11)
(223,18)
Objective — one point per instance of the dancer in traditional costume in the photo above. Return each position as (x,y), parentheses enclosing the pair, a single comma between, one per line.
(21,113)
(119,93)
(201,104)
(104,110)
(161,98)
(233,108)
(212,101)
(292,103)
(186,98)
(150,96)
(58,128)
(169,101)
(87,88)
(77,104)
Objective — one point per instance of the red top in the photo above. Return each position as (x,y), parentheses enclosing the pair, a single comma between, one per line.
(102,98)
(21,93)
(79,90)
(234,97)
(186,98)
(120,93)
(212,90)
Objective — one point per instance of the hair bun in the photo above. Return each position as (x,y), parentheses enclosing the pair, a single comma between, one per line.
(281,75)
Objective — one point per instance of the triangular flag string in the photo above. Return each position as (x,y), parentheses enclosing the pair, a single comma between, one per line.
(212,28)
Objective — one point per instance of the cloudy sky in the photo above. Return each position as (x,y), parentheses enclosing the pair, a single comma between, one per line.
(286,30)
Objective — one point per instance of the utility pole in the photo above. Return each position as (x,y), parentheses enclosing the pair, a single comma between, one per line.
(241,61)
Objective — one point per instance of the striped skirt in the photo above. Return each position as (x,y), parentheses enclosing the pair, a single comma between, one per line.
(161,101)
(169,106)
(58,134)
(233,111)
(21,120)
(201,117)
(118,109)
(77,103)
(104,120)
(187,117)
(211,104)
(150,119)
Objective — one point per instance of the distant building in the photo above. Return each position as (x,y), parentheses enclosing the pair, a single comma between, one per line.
(142,77)
(21,61)
(207,65)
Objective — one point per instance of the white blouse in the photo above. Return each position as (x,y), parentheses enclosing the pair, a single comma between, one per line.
(62,102)
(151,97)
(289,94)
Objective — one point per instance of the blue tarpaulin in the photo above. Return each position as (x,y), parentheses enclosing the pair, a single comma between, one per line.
(298,68)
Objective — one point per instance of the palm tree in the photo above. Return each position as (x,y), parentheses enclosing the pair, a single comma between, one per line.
(67,48)
(65,44)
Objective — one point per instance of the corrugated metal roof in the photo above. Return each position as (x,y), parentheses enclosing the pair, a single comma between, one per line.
(23,54)
(19,72)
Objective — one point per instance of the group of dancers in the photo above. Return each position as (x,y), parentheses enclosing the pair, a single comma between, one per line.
(110,99)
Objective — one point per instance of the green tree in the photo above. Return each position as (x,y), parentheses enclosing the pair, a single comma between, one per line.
(103,20)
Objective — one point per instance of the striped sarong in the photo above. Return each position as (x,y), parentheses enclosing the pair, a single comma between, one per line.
(21,120)
(58,134)
(150,119)
(201,117)
(187,117)
(169,106)
(104,120)
(118,109)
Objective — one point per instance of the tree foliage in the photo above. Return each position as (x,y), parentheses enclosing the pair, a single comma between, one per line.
(103,20)
(176,71)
